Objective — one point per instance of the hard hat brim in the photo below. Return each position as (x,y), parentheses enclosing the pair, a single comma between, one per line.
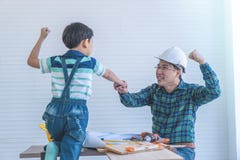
(175,65)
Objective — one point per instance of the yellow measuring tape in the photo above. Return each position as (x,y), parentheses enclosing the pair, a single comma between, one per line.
(43,127)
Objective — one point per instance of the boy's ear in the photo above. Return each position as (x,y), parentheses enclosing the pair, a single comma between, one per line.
(85,43)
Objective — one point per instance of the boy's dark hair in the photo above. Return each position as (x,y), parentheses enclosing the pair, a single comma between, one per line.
(74,33)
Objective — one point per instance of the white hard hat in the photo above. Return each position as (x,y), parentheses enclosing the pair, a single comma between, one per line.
(175,56)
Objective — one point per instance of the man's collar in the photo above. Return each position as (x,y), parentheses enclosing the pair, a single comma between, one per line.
(181,85)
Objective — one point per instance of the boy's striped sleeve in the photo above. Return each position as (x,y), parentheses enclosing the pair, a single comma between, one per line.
(99,69)
(45,65)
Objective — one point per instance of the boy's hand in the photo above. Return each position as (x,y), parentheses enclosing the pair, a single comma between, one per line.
(194,55)
(44,32)
(121,88)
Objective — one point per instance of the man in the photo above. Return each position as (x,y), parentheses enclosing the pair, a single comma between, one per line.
(173,102)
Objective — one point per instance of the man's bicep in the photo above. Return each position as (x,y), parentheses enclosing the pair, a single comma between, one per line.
(201,95)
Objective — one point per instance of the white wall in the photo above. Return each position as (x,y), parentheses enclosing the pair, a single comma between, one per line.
(128,34)
(230,87)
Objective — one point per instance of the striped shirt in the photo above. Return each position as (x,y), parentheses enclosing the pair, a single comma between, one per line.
(174,114)
(81,84)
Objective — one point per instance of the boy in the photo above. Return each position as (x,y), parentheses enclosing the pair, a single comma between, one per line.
(66,116)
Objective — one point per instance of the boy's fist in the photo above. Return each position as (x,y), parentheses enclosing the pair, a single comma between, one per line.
(44,32)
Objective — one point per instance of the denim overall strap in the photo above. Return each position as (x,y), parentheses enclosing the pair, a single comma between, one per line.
(66,92)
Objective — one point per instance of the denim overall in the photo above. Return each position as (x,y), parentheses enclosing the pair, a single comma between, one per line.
(66,119)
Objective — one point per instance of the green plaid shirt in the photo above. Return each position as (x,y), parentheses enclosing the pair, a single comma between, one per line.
(174,114)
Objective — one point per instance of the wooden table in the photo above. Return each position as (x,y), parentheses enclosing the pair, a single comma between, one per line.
(37,151)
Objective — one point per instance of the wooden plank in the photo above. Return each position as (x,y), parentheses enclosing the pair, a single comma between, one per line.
(163,154)
(137,146)
(32,152)
(35,151)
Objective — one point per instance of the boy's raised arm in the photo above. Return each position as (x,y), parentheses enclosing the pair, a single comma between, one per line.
(33,60)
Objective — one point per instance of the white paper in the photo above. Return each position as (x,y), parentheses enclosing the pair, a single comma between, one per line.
(93,141)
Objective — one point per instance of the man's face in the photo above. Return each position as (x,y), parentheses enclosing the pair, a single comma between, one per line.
(166,74)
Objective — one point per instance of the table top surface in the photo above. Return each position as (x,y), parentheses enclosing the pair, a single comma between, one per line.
(163,154)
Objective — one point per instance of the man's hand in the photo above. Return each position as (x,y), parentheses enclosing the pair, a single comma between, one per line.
(194,55)
(121,88)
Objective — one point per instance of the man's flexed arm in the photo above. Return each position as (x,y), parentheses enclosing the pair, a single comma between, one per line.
(33,60)
(194,55)
(211,90)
